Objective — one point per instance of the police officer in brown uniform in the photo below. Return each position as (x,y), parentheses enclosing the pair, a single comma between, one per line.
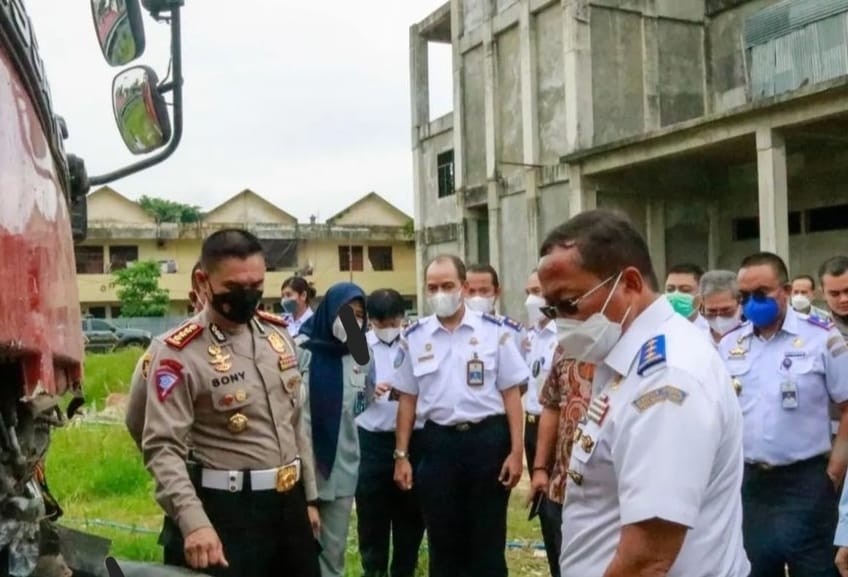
(229,378)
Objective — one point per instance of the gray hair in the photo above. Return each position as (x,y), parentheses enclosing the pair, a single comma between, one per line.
(719,281)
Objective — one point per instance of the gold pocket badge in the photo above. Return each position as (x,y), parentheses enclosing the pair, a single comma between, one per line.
(277,343)
(220,361)
(286,478)
(237,423)
(587,443)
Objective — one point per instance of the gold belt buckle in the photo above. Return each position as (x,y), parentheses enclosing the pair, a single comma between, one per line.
(463,427)
(531,419)
(286,478)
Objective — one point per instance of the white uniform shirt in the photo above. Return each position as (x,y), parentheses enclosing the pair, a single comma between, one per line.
(668,446)
(543,343)
(444,369)
(787,383)
(295,324)
(381,415)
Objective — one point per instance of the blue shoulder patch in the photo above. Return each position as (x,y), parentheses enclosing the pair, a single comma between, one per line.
(492,319)
(513,324)
(820,321)
(411,328)
(651,355)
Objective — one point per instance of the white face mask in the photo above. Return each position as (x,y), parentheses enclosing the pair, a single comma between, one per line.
(480,304)
(533,304)
(445,304)
(800,302)
(590,340)
(339,331)
(387,335)
(723,325)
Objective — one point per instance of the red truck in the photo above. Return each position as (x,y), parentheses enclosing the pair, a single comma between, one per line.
(42,213)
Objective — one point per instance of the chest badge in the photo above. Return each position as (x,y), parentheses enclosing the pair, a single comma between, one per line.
(287,361)
(737,385)
(587,443)
(598,410)
(277,343)
(798,343)
(237,423)
(220,361)
(474,372)
(473,342)
(291,384)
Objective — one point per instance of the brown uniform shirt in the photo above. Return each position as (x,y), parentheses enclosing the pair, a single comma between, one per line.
(136,405)
(239,396)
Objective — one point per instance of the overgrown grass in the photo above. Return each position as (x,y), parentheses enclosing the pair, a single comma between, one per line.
(96,474)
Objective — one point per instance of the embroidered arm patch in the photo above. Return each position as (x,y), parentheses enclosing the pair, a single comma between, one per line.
(168,375)
(660,395)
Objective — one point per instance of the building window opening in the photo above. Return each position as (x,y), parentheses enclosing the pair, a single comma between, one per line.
(445,165)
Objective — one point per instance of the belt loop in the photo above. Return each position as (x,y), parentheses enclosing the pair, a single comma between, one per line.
(246,481)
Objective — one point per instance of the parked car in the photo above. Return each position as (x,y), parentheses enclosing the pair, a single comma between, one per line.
(102,336)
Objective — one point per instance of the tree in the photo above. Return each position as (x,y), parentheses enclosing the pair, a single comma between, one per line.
(170,211)
(139,292)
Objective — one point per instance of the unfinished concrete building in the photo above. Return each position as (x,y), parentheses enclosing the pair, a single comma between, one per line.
(719,126)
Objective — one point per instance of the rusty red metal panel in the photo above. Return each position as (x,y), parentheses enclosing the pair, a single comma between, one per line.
(39,302)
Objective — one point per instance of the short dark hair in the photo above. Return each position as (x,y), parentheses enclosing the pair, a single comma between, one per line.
(455,260)
(301,286)
(687,268)
(607,243)
(486,269)
(806,277)
(228,243)
(768,259)
(834,266)
(385,304)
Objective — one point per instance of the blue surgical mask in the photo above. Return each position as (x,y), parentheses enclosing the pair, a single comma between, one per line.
(761,312)
(289,305)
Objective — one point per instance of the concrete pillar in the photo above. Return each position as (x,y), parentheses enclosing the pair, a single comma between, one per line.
(530,124)
(583,192)
(578,74)
(492,173)
(655,227)
(651,65)
(419,89)
(458,129)
(773,192)
(714,238)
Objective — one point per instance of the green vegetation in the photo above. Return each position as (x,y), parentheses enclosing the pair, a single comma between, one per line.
(170,211)
(139,292)
(96,473)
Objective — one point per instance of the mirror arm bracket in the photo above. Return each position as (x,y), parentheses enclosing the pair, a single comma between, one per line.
(165,88)
(176,86)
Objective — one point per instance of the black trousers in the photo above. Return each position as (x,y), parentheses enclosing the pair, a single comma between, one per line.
(550,513)
(789,516)
(384,513)
(463,501)
(264,534)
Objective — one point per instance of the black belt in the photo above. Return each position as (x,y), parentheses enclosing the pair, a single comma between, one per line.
(766,467)
(463,427)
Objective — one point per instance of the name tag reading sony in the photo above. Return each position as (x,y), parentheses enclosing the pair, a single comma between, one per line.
(474,372)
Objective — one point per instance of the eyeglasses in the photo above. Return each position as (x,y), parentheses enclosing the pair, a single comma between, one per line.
(569,307)
(758,295)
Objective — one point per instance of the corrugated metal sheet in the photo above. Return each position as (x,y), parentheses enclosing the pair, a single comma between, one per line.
(814,53)
(782,18)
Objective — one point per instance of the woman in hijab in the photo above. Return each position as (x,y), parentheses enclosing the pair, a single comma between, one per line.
(338,390)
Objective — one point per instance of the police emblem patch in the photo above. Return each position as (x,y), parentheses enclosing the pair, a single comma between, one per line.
(168,375)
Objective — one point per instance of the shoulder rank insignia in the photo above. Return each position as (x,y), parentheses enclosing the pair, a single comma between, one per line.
(651,355)
(145,365)
(660,395)
(411,328)
(272,318)
(183,335)
(492,319)
(513,324)
(820,321)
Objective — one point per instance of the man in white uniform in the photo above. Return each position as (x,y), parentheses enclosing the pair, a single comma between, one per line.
(656,469)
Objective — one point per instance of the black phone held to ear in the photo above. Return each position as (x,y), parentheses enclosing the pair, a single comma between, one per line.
(356,343)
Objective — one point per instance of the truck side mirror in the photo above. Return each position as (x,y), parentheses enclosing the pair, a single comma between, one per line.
(119,29)
(140,110)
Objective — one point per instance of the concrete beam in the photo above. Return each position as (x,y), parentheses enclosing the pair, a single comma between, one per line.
(651,66)
(803,106)
(773,192)
(578,75)
(437,26)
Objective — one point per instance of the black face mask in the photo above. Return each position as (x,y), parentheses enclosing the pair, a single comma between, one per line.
(238,305)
